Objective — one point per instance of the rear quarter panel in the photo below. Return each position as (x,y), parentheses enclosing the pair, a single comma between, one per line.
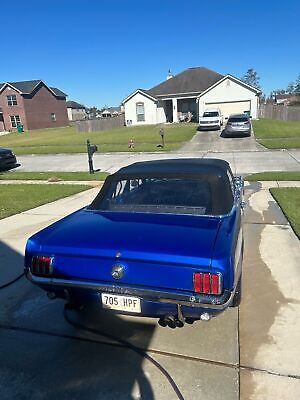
(228,248)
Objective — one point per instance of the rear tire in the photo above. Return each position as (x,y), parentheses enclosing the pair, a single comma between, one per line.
(238,294)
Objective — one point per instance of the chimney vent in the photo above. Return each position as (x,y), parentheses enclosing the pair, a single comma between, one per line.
(170,75)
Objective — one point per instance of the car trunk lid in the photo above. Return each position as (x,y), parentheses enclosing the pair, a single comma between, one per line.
(156,250)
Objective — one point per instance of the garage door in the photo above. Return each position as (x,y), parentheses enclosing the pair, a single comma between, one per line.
(231,107)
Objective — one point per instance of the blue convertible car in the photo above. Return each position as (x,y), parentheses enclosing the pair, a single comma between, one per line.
(161,239)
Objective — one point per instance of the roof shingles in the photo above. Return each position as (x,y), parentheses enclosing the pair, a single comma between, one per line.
(27,87)
(192,80)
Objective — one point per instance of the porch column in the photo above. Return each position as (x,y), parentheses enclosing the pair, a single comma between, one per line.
(174,106)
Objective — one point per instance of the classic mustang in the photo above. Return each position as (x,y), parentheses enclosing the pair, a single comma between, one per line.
(161,239)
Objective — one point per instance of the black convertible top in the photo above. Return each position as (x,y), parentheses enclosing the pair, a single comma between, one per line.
(188,186)
(193,166)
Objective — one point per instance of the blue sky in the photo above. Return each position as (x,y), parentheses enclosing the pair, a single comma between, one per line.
(100,51)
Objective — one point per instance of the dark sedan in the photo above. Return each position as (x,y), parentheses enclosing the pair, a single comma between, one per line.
(7,159)
(238,125)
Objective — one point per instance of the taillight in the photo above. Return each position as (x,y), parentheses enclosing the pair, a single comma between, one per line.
(41,265)
(207,283)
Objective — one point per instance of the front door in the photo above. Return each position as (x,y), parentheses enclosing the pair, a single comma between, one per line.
(169,110)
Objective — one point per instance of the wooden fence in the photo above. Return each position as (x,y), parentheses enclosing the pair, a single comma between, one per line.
(101,124)
(283,112)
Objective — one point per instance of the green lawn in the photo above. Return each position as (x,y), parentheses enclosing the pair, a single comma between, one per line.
(18,198)
(65,176)
(67,140)
(289,201)
(273,176)
(277,134)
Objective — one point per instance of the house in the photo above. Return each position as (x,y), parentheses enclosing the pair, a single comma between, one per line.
(106,113)
(32,104)
(76,111)
(111,112)
(191,91)
(286,98)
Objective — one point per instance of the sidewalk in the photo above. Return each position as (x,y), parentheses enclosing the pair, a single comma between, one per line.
(273,184)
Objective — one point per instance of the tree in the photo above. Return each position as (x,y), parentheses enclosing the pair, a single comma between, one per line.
(297,86)
(251,78)
(290,88)
(93,110)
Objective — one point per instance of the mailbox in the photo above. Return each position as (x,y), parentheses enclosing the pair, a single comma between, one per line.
(91,149)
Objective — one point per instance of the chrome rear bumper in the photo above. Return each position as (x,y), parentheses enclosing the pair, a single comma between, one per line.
(219,302)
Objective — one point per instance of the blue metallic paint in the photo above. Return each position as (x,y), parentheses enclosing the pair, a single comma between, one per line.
(158,251)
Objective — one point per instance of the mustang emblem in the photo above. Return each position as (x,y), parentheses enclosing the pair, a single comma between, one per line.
(117,271)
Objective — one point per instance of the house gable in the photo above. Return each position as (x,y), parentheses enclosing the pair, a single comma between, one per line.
(142,92)
(231,96)
(150,108)
(29,88)
(8,85)
(233,79)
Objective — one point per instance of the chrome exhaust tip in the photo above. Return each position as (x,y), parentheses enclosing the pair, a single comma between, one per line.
(205,316)
(162,322)
(171,322)
(179,324)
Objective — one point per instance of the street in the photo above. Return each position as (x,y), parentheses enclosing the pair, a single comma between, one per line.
(243,162)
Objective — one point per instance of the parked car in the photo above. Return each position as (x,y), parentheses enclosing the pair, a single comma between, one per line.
(7,159)
(211,119)
(162,239)
(238,125)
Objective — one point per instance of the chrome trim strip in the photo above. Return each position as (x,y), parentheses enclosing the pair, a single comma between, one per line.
(198,300)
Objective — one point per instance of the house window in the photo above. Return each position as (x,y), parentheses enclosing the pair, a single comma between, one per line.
(53,117)
(140,112)
(15,121)
(12,100)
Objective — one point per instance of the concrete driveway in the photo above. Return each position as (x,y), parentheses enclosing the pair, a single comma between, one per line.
(214,142)
(247,353)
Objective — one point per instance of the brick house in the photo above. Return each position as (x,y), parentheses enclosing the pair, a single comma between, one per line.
(32,104)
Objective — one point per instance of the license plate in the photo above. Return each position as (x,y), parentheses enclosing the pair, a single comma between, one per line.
(121,303)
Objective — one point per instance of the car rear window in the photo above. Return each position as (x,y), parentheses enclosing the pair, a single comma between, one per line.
(166,195)
(211,114)
(238,119)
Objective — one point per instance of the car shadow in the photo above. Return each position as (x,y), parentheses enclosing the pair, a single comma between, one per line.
(222,133)
(44,357)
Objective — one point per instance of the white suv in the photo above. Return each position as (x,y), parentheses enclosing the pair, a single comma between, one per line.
(211,119)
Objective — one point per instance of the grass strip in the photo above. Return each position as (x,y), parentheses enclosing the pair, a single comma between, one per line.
(277,134)
(274,176)
(65,176)
(288,143)
(289,201)
(17,198)
(275,128)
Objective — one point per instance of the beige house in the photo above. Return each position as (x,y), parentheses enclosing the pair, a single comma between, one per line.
(190,92)
(76,111)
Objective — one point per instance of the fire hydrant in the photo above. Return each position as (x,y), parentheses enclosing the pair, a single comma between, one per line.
(131,143)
